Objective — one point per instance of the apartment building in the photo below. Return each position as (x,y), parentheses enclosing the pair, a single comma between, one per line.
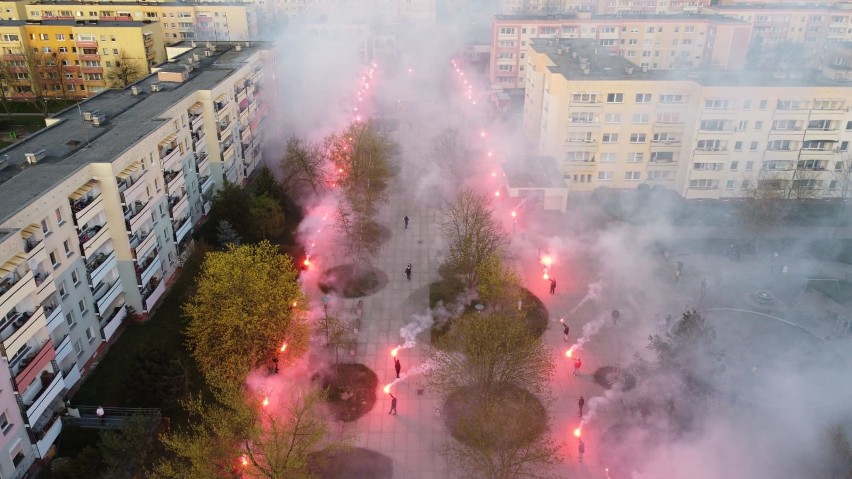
(791,33)
(69,59)
(601,7)
(420,12)
(97,212)
(654,42)
(703,134)
(203,21)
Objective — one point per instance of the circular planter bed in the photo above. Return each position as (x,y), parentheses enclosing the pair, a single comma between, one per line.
(517,417)
(351,390)
(347,281)
(612,376)
(354,463)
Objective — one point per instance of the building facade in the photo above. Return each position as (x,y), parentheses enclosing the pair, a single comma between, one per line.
(201,21)
(98,212)
(65,59)
(419,12)
(703,134)
(601,7)
(655,42)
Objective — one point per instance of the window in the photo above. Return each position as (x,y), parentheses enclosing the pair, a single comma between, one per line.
(507,31)
(4,423)
(12,38)
(738,146)
(823,125)
(707,166)
(779,145)
(838,165)
(612,118)
(58,213)
(43,36)
(749,165)
(790,105)
(639,118)
(746,104)
(664,138)
(671,98)
(713,125)
(668,117)
(662,156)
(711,145)
(643,98)
(635,157)
(704,184)
(82,305)
(821,145)
(44,227)
(735,165)
(744,185)
(758,125)
(46,50)
(583,117)
(90,335)
(632,175)
(742,125)
(785,125)
(610,137)
(763,104)
(505,68)
(615,97)
(69,319)
(849,125)
(78,348)
(658,175)
(729,185)
(580,156)
(63,292)
(584,97)
(583,136)
(637,138)
(832,184)
(54,259)
(609,157)
(752,146)
(604,176)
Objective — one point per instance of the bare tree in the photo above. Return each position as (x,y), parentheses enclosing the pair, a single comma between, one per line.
(452,153)
(805,184)
(841,175)
(124,71)
(36,81)
(304,168)
(473,235)
(766,203)
(838,453)
(7,85)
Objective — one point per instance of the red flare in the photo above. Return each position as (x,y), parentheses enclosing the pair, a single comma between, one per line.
(307,262)
(546,260)
(514,214)
(265,401)
(497,194)
(395,351)
(546,275)
(577,432)
(244,460)
(283,347)
(386,389)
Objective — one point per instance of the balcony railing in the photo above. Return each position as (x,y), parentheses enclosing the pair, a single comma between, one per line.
(89,233)
(32,364)
(12,283)
(45,397)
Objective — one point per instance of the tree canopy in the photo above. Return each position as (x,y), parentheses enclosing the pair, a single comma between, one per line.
(243,311)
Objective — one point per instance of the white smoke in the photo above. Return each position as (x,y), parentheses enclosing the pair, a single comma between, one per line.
(592,294)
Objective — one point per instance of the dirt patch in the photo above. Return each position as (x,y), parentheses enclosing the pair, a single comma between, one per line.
(354,463)
(515,416)
(612,376)
(351,390)
(350,282)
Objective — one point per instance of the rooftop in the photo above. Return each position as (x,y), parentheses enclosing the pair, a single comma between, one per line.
(808,6)
(73,23)
(603,64)
(71,144)
(668,17)
(141,3)
(533,172)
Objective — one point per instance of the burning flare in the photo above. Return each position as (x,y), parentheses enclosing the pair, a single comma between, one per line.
(570,352)
(546,260)
(283,347)
(395,351)
(577,432)
(386,389)
(265,401)
(244,460)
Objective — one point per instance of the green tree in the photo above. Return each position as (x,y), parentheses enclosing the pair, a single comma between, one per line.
(230,203)
(473,234)
(247,303)
(7,85)
(454,155)
(266,215)
(499,284)
(339,334)
(159,377)
(304,168)
(125,451)
(125,70)
(265,183)
(226,234)
(487,352)
(838,451)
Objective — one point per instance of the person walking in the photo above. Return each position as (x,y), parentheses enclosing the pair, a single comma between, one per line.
(100,413)
(615,315)
(405,220)
(408,271)
(581,403)
(397,366)
(552,286)
(577,364)
(581,449)
(565,330)
(677,275)
(393,405)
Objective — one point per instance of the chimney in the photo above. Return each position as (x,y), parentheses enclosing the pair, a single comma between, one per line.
(134,90)
(238,48)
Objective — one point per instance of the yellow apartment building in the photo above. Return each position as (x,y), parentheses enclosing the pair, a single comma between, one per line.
(202,21)
(703,134)
(97,215)
(653,42)
(65,58)
(601,7)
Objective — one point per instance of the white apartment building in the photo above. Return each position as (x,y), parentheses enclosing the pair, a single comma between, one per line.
(601,7)
(703,134)
(98,210)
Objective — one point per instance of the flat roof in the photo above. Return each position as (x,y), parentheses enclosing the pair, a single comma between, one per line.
(72,144)
(74,23)
(533,172)
(659,17)
(779,6)
(142,4)
(604,64)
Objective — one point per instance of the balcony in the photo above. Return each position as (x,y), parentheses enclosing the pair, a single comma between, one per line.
(202,163)
(113,321)
(34,243)
(100,265)
(199,140)
(89,57)
(133,189)
(168,155)
(14,57)
(15,287)
(93,237)
(206,183)
(31,364)
(182,228)
(45,397)
(178,205)
(148,266)
(15,330)
(153,294)
(54,315)
(92,70)
(149,41)
(87,44)
(85,203)
(72,376)
(48,436)
(64,348)
(141,242)
(105,294)
(196,120)
(227,150)
(135,215)
(174,180)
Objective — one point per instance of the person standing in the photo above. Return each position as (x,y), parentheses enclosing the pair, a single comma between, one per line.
(405,220)
(577,364)
(552,286)
(565,330)
(677,275)
(581,403)
(581,449)
(408,271)
(100,413)
(397,366)
(615,315)
(393,405)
